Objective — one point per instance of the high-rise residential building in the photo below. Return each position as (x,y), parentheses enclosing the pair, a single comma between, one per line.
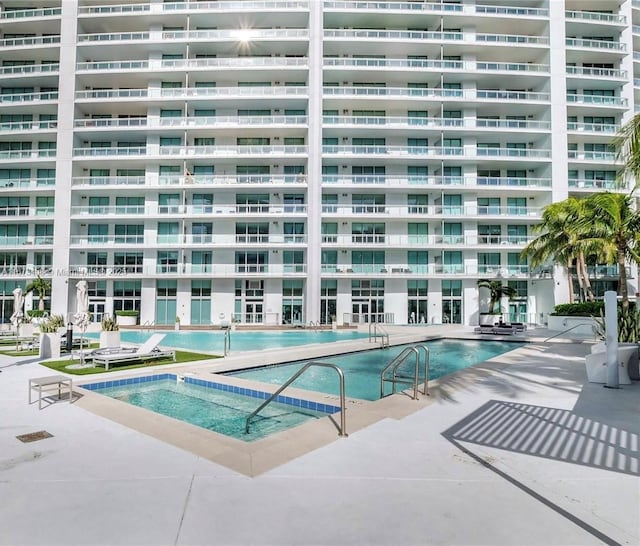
(296,161)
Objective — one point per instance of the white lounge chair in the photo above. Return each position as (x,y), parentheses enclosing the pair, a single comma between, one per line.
(147,351)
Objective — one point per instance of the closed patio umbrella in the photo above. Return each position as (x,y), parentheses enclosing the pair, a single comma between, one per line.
(82,317)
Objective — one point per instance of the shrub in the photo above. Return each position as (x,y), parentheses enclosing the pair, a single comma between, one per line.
(109,324)
(583,309)
(37,313)
(52,324)
(127,313)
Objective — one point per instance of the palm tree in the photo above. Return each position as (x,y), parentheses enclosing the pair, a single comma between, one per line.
(627,146)
(496,291)
(561,242)
(610,224)
(40,286)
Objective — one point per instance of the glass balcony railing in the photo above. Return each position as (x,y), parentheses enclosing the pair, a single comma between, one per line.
(596,44)
(29,69)
(597,100)
(30,13)
(111,151)
(435,93)
(29,41)
(595,16)
(201,5)
(434,7)
(28,125)
(589,183)
(512,39)
(597,72)
(403,35)
(593,127)
(194,35)
(29,97)
(26,154)
(608,157)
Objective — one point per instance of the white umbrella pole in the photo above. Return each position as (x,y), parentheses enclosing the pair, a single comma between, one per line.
(611,327)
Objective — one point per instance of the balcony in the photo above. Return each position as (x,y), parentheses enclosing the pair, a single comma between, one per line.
(605,73)
(409,181)
(168,36)
(596,100)
(30,69)
(595,17)
(598,128)
(604,45)
(298,180)
(30,42)
(194,7)
(29,97)
(30,13)
(591,184)
(435,94)
(29,126)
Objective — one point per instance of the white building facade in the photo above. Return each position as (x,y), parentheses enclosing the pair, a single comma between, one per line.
(297,161)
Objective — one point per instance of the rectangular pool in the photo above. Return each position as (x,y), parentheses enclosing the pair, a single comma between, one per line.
(214,406)
(212,341)
(362,369)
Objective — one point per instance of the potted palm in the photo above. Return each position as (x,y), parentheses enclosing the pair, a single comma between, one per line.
(496,291)
(51,336)
(110,333)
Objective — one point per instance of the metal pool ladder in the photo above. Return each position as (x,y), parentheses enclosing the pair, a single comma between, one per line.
(414,379)
(342,431)
(376,332)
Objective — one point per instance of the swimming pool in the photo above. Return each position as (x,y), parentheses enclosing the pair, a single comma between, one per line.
(362,369)
(213,340)
(211,405)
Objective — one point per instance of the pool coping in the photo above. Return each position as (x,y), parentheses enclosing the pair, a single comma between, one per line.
(259,456)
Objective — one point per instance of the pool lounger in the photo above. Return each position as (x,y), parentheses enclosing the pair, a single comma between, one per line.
(147,351)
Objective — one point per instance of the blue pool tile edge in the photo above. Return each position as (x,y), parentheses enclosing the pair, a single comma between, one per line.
(235,389)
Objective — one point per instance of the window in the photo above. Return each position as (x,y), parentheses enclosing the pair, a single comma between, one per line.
(488,205)
(200,302)
(417,300)
(201,261)
(126,295)
(251,262)
(129,234)
(293,261)
(127,262)
(294,232)
(166,310)
(167,261)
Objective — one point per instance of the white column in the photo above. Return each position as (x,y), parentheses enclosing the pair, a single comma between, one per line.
(64,151)
(314,175)
(558,136)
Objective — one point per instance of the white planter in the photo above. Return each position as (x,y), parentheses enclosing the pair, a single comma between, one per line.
(334,325)
(177,327)
(50,345)
(109,339)
(577,325)
(125,320)
(488,320)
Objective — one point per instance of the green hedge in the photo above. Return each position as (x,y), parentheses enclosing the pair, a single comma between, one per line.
(127,313)
(583,309)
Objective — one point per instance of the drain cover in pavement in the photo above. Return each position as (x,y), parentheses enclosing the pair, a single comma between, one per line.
(34,436)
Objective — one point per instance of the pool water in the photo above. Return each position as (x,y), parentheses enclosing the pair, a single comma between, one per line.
(202,404)
(362,369)
(213,340)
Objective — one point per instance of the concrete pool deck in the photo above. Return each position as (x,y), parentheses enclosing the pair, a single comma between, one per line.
(516,451)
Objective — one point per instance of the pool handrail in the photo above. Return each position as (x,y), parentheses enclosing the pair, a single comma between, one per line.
(395,364)
(342,430)
(382,334)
